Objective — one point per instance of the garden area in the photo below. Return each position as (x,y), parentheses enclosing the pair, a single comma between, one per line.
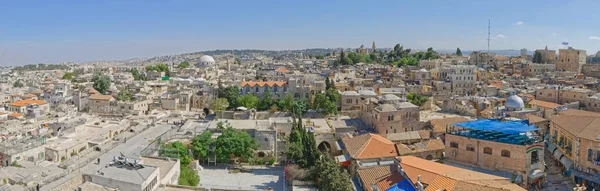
(232,145)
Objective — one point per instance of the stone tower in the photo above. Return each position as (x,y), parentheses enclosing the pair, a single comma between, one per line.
(374,47)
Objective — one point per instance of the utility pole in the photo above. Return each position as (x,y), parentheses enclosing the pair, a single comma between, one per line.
(488,45)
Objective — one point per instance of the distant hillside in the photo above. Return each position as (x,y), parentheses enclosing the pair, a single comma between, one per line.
(508,52)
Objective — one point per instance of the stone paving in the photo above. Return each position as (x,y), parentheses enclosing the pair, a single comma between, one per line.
(555,179)
(260,178)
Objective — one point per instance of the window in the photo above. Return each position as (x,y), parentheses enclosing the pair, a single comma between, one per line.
(487,150)
(348,100)
(454,144)
(470,148)
(534,157)
(590,154)
(390,117)
(505,153)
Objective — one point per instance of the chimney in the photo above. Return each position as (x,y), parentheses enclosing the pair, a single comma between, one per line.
(419,184)
(374,187)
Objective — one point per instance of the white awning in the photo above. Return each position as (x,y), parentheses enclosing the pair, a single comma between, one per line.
(557,154)
(566,162)
(537,173)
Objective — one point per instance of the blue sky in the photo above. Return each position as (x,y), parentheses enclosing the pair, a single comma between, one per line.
(75,30)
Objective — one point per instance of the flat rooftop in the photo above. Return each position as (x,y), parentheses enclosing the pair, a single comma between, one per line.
(126,174)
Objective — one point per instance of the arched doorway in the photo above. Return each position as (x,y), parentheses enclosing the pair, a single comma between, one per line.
(261,154)
(324,147)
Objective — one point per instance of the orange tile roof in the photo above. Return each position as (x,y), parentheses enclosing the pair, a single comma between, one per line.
(15,115)
(15,95)
(29,95)
(282,70)
(369,146)
(544,104)
(440,176)
(101,97)
(22,103)
(383,176)
(441,183)
(93,91)
(261,84)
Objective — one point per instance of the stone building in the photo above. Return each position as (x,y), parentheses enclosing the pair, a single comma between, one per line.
(566,95)
(574,142)
(571,60)
(591,70)
(391,116)
(548,56)
(513,147)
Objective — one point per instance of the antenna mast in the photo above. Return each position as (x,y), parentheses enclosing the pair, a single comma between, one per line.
(488,51)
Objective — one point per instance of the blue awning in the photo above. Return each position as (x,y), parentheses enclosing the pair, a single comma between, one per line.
(403,185)
(589,177)
(507,127)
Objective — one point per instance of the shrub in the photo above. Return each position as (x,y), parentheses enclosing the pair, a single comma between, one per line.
(188,177)
(271,161)
(260,162)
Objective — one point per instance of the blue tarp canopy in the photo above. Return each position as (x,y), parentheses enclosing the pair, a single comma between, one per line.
(403,185)
(507,127)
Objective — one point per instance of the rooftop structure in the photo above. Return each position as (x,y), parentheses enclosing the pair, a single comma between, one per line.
(512,132)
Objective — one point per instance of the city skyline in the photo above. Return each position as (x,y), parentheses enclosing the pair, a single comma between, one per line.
(72,31)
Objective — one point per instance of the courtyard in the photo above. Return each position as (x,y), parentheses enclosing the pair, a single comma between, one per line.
(261,178)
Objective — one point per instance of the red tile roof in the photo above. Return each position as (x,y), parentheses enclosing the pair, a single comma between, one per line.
(369,146)
(261,84)
(22,103)
(383,176)
(282,70)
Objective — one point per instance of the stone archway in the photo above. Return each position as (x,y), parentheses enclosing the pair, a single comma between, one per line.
(324,147)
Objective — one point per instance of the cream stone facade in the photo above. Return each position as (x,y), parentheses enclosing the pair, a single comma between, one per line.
(571,60)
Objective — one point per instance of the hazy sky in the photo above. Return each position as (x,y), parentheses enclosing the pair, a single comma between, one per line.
(76,30)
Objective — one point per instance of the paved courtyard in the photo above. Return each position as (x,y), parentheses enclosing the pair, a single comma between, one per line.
(259,179)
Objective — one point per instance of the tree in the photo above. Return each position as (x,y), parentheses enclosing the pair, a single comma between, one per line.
(323,103)
(330,176)
(184,64)
(248,101)
(176,150)
(286,104)
(124,95)
(458,52)
(410,61)
(416,99)
(101,82)
(266,101)
(537,57)
(219,105)
(18,84)
(230,93)
(135,73)
(201,144)
(431,54)
(328,83)
(69,76)
(235,143)
(159,68)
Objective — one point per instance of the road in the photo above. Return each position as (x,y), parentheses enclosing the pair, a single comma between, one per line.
(131,148)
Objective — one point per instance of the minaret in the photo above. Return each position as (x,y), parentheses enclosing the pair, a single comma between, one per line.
(374,47)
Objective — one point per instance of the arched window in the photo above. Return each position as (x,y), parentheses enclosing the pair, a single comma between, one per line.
(505,153)
(487,150)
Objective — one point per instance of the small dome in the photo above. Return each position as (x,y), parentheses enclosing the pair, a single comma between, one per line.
(207,58)
(514,102)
